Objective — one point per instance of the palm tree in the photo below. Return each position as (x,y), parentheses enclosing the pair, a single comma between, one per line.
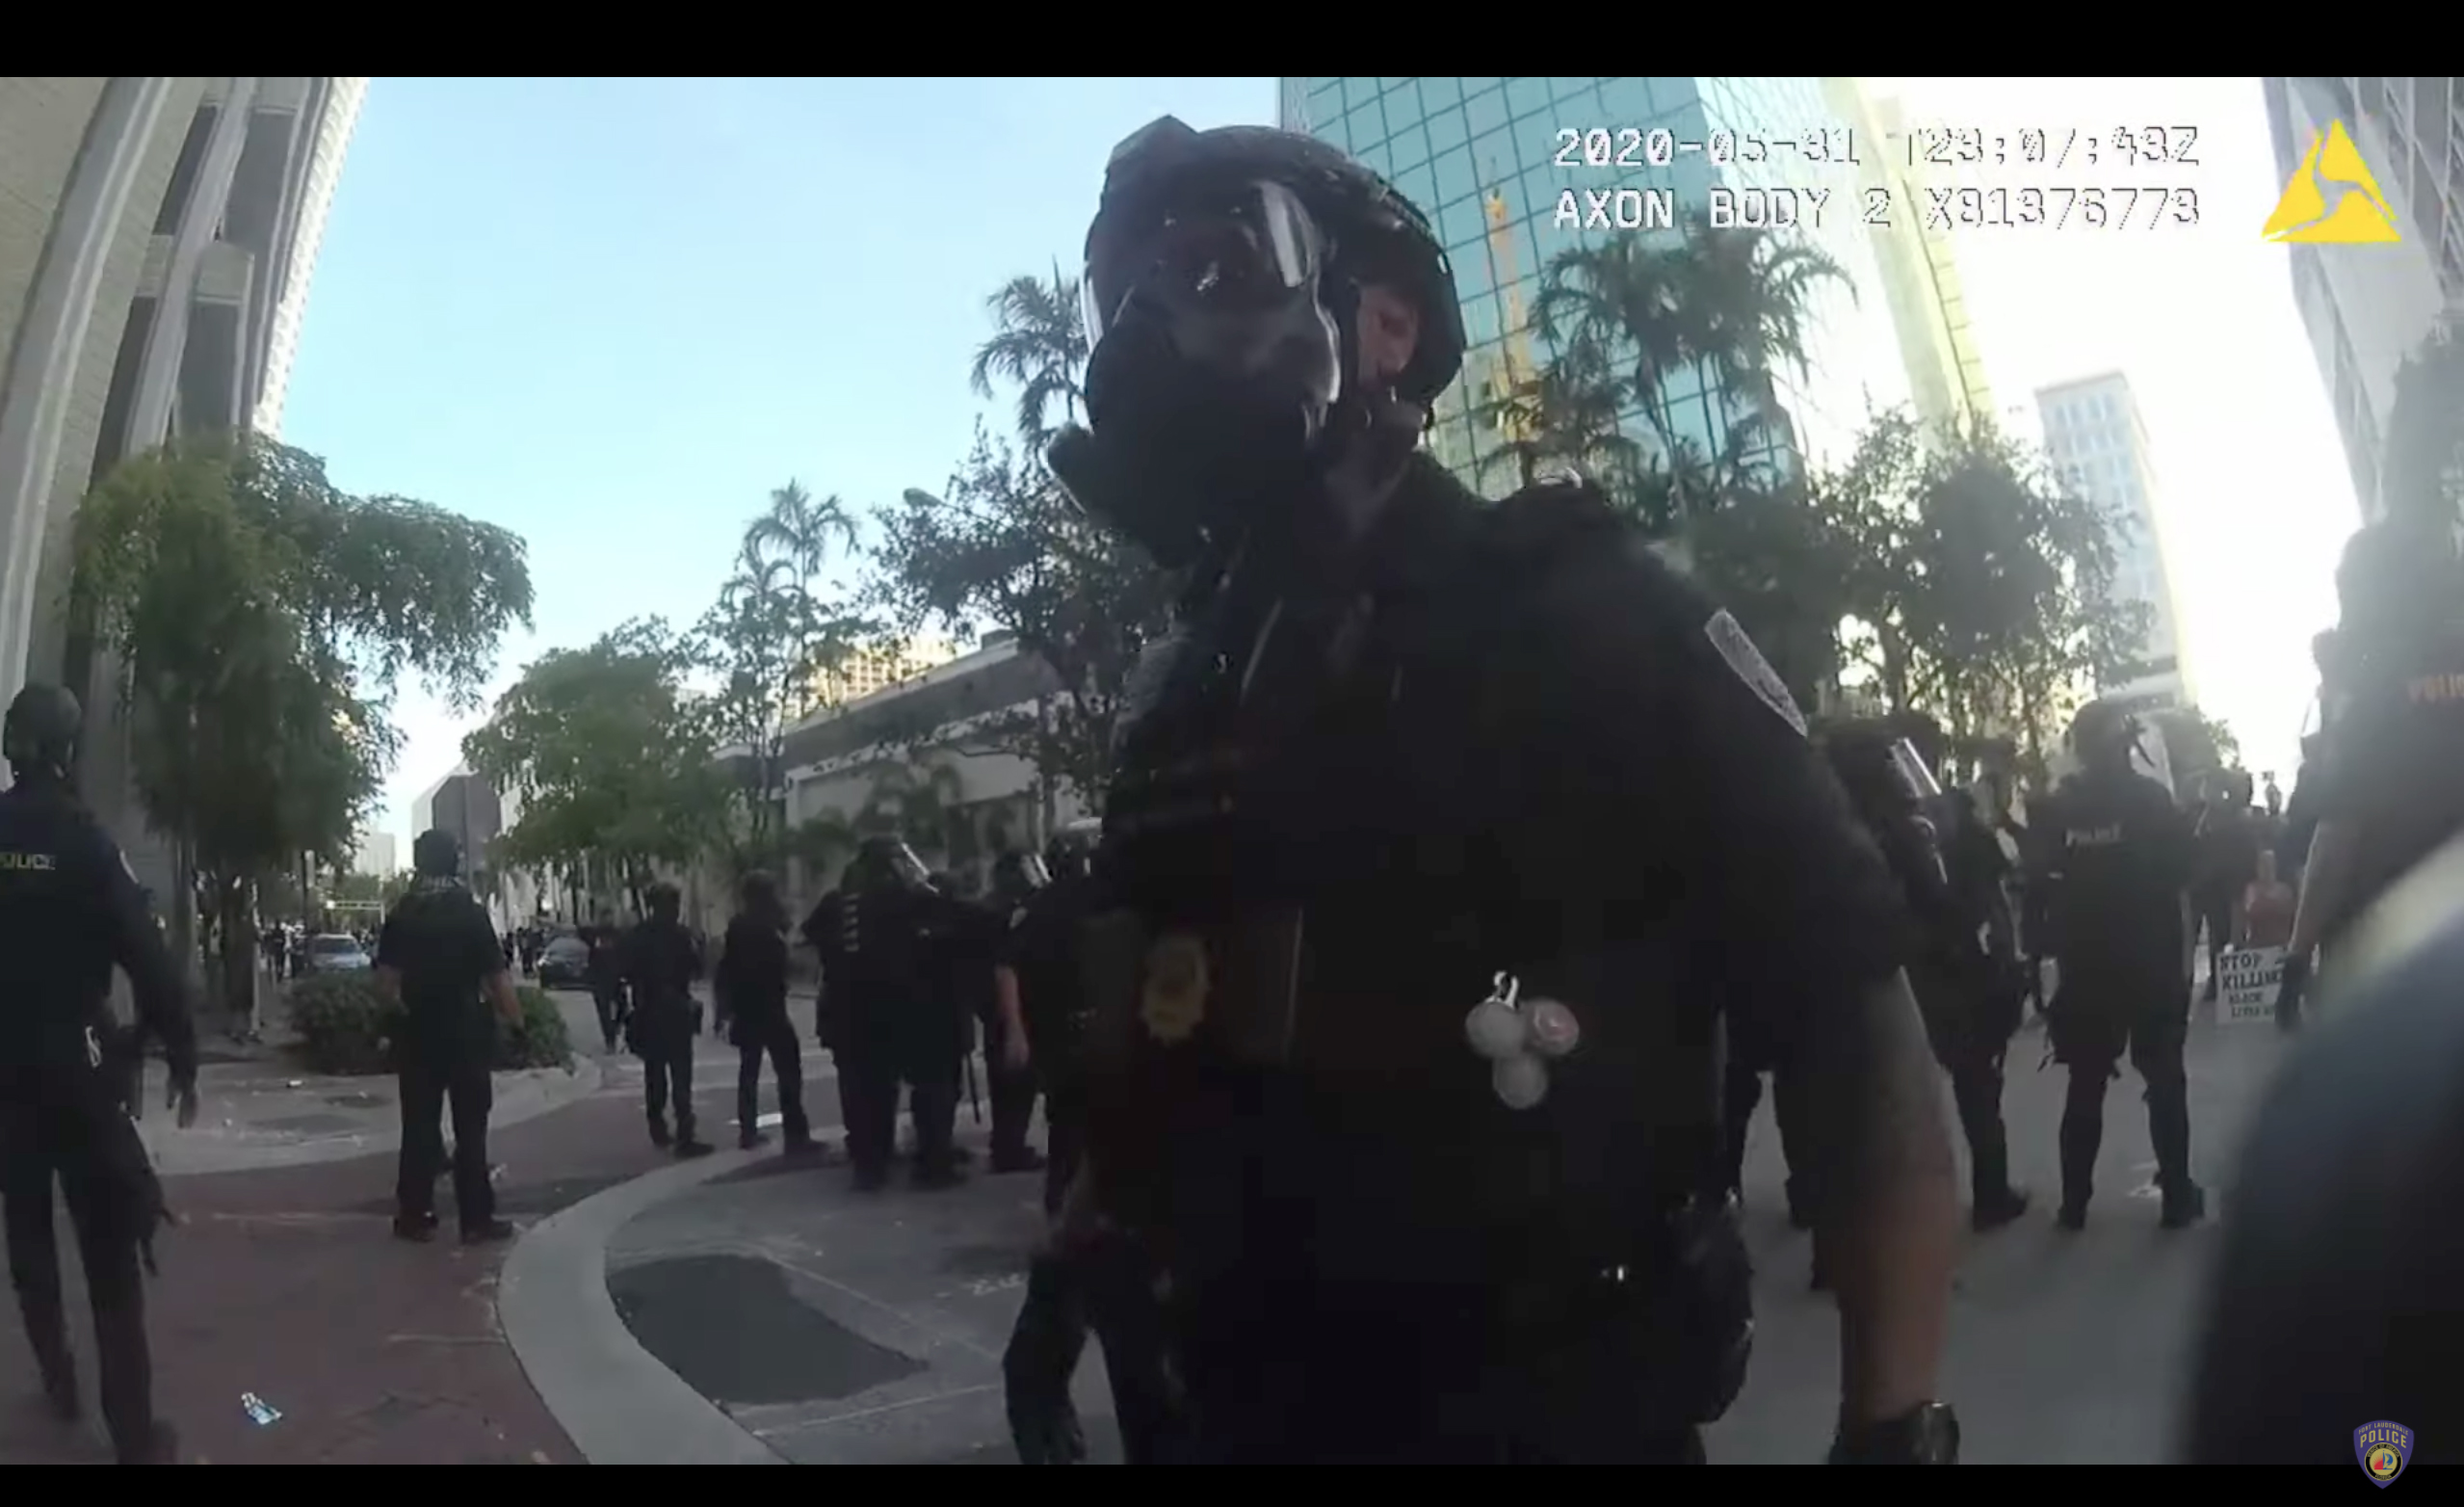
(798,531)
(1728,303)
(1039,347)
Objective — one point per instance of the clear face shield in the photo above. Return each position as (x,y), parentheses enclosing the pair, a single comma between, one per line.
(1230,272)
(1908,768)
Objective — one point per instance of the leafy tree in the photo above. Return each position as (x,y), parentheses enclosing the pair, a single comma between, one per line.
(1002,544)
(1983,591)
(2424,468)
(770,639)
(261,618)
(613,755)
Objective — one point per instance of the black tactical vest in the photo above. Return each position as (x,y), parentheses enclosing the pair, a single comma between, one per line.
(1303,827)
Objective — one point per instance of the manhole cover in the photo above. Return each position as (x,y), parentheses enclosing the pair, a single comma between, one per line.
(728,1326)
(309,1125)
(357,1100)
(984,1260)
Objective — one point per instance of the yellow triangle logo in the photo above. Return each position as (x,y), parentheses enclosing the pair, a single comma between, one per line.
(2332,199)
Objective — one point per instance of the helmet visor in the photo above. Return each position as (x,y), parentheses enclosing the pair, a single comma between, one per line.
(1909,767)
(1227,262)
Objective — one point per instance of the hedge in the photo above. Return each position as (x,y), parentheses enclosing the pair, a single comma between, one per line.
(347,1027)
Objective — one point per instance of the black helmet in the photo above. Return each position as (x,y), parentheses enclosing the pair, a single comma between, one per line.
(435,854)
(1017,875)
(887,863)
(1221,292)
(40,736)
(2102,731)
(1367,233)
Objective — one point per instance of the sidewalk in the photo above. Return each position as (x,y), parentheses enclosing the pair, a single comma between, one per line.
(839,1328)
(285,1282)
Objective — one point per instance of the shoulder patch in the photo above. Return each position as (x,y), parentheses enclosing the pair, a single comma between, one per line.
(1737,647)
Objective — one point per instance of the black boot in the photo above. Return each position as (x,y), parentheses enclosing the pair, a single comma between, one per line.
(1994,1208)
(2185,1204)
(659,1136)
(417,1228)
(488,1231)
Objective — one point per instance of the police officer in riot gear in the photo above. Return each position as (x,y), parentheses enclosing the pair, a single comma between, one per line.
(1433,853)
(662,963)
(1104,1285)
(889,1023)
(70,910)
(2392,787)
(1971,1005)
(751,989)
(1017,879)
(2120,880)
(441,957)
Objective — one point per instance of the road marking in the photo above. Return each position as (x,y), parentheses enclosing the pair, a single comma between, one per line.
(875,1413)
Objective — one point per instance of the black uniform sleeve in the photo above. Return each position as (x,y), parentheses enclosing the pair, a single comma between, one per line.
(391,939)
(2332,1300)
(138,949)
(1695,771)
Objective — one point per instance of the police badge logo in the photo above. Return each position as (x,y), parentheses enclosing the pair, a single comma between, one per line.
(1737,647)
(1173,1000)
(2383,1450)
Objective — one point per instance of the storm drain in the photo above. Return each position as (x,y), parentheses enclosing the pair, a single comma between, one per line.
(728,1326)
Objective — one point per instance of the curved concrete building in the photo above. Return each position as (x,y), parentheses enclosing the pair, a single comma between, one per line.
(156,241)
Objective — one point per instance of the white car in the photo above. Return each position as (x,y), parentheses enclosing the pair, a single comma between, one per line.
(334,953)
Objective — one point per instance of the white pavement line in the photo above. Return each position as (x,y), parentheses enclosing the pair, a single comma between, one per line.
(875,1413)
(618,1404)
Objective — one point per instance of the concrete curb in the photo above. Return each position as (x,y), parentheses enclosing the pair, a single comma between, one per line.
(618,1404)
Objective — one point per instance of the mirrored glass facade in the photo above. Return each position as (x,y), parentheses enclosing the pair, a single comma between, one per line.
(1482,156)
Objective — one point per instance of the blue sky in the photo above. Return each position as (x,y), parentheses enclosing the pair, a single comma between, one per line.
(613,314)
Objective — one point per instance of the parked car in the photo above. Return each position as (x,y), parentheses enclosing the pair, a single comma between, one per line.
(334,953)
(564,963)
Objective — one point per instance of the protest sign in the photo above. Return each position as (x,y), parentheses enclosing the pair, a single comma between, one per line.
(2248,979)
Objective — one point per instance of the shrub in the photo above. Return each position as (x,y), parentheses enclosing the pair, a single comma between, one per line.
(538,1039)
(344,1023)
(346,1026)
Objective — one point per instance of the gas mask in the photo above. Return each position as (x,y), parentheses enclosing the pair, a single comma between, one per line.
(1219,351)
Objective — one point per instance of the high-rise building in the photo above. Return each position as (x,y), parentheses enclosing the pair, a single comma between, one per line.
(466,805)
(2099,443)
(2369,306)
(880,666)
(1499,165)
(1920,276)
(149,247)
(375,854)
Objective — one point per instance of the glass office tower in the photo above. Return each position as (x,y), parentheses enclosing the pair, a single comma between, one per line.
(1480,156)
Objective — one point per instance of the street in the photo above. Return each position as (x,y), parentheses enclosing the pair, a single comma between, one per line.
(841,1329)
